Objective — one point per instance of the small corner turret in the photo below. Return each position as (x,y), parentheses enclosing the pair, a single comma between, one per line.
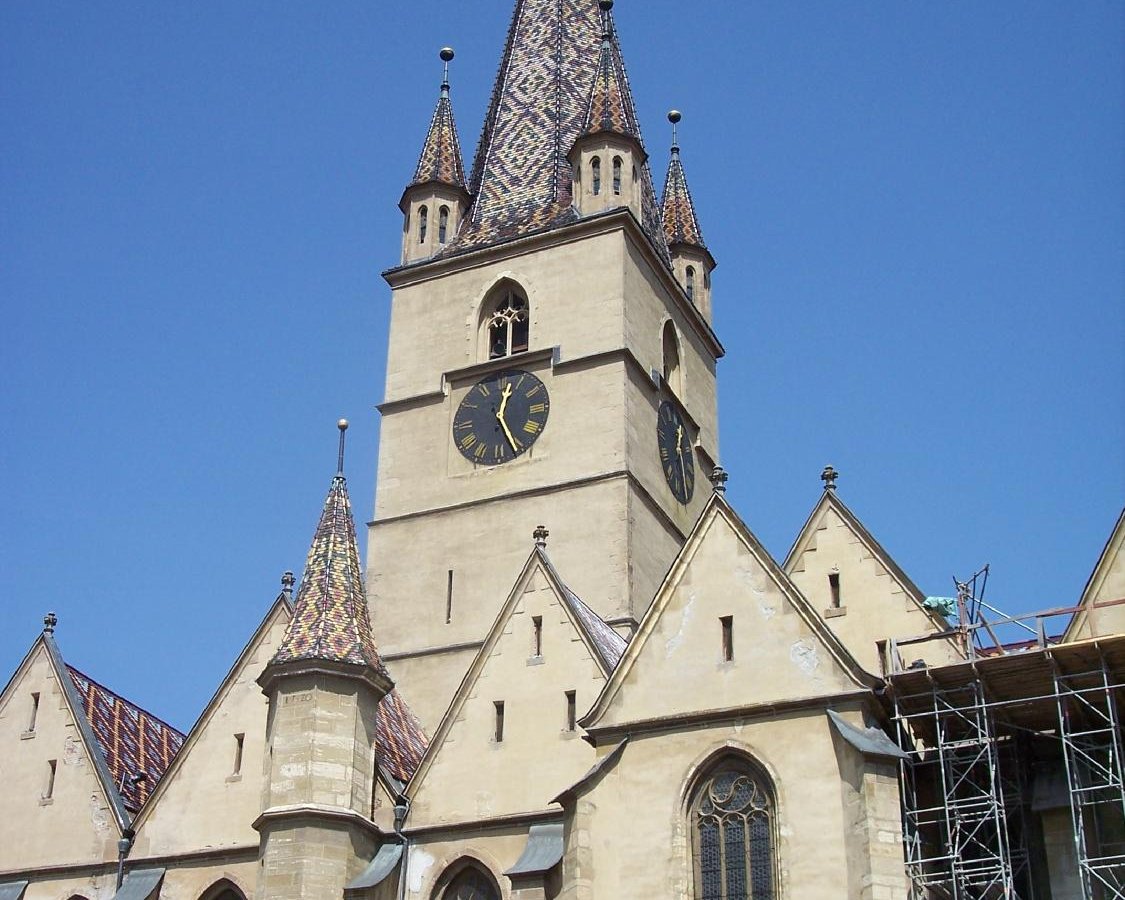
(607,157)
(435,201)
(692,262)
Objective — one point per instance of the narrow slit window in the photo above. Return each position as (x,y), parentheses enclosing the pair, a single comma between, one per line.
(449,597)
(239,740)
(834,588)
(690,279)
(423,223)
(31,719)
(727,623)
(596,175)
(443,224)
(537,636)
(571,711)
(49,787)
(617,175)
(498,732)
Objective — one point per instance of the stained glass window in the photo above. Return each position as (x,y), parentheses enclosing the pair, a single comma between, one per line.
(732,825)
(471,884)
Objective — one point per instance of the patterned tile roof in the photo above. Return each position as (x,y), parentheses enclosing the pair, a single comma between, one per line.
(330,620)
(400,741)
(441,154)
(521,180)
(680,223)
(131,740)
(610,107)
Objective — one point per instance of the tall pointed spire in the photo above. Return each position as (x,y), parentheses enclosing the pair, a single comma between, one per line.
(541,102)
(680,223)
(441,161)
(610,108)
(330,621)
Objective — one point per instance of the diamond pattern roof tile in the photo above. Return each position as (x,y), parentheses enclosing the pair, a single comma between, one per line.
(680,223)
(330,620)
(441,154)
(400,741)
(610,107)
(131,740)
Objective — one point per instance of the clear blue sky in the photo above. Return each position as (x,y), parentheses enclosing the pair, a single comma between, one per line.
(917,210)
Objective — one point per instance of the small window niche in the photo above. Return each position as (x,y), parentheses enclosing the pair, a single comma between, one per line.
(571,711)
(32,716)
(48,795)
(443,224)
(537,637)
(617,175)
(505,321)
(236,768)
(449,597)
(835,598)
(596,175)
(726,624)
(498,723)
(423,223)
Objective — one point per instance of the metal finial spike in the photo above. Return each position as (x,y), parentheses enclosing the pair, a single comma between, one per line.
(287,582)
(49,622)
(829,476)
(674,116)
(540,534)
(719,479)
(343,426)
(605,6)
(447,55)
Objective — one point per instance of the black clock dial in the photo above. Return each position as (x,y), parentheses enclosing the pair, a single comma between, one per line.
(501,417)
(676,455)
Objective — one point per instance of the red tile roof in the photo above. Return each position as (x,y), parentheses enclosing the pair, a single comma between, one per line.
(400,741)
(131,740)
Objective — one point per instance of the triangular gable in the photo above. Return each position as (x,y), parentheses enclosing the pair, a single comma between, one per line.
(61,815)
(533,690)
(203,776)
(878,599)
(1106,584)
(782,650)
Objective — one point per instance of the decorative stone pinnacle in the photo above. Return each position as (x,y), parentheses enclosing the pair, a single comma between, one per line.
(829,476)
(49,622)
(287,582)
(540,534)
(719,479)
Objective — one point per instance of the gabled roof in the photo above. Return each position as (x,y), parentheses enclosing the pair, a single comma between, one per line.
(521,179)
(131,740)
(829,499)
(330,619)
(678,210)
(441,153)
(717,507)
(605,645)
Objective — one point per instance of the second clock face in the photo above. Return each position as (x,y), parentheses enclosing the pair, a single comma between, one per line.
(676,456)
(501,417)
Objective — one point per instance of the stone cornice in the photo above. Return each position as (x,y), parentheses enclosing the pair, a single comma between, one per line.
(316,812)
(489,823)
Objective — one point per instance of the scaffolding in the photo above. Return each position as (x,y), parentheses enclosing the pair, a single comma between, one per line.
(982,738)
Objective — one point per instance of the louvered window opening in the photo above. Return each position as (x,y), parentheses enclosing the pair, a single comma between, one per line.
(733,829)
(508,327)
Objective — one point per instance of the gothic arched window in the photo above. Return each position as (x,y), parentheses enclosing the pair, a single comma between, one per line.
(596,175)
(423,223)
(732,826)
(689,287)
(617,175)
(223,889)
(671,358)
(471,884)
(506,323)
(443,224)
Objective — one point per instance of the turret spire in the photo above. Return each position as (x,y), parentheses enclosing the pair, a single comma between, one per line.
(680,223)
(610,108)
(441,161)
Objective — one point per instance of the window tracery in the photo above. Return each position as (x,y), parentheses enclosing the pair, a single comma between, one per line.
(732,823)
(507,325)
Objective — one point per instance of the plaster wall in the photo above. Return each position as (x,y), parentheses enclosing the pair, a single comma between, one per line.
(434,859)
(75,824)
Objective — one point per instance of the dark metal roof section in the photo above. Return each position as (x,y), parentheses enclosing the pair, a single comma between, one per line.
(542,852)
(869,741)
(12,890)
(521,179)
(140,884)
(610,646)
(380,867)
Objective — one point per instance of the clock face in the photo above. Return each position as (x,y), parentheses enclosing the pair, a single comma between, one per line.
(676,456)
(501,417)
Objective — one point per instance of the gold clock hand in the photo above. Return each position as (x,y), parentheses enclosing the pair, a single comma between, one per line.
(503,422)
(680,452)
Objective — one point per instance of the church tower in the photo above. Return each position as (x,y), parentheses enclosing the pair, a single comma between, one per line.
(546,363)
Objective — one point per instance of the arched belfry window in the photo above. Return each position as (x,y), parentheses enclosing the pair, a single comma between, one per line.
(471,884)
(617,175)
(671,359)
(423,223)
(689,285)
(733,830)
(443,224)
(506,322)
(596,175)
